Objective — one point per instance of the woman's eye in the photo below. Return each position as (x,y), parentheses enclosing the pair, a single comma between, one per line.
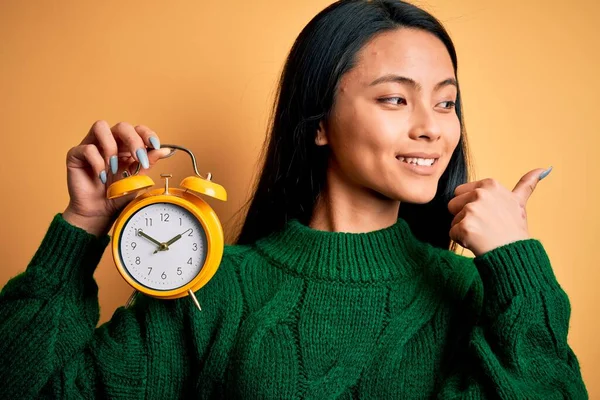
(393,100)
(448,105)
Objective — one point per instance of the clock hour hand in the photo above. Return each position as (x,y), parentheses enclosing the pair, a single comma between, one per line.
(165,246)
(142,234)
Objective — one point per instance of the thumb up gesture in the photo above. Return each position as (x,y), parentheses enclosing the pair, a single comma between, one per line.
(487,215)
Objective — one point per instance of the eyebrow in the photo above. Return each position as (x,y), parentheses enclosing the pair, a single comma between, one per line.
(411,82)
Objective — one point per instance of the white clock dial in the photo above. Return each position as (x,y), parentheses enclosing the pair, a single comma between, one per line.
(163,246)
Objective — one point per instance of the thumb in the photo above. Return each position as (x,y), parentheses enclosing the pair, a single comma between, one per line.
(527,184)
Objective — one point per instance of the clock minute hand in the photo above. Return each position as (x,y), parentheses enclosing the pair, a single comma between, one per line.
(165,246)
(176,238)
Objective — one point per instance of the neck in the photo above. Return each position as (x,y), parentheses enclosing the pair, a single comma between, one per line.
(345,206)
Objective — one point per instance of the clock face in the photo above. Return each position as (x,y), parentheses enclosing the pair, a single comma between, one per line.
(163,246)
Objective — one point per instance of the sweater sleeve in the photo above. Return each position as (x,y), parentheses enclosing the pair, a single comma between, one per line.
(49,344)
(514,334)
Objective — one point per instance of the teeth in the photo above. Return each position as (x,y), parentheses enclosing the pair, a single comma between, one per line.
(418,161)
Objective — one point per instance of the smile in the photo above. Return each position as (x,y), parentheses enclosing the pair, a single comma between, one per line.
(418,161)
(419,166)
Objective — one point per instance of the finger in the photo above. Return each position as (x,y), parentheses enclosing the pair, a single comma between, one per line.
(129,164)
(457,233)
(101,132)
(149,137)
(101,135)
(526,185)
(88,155)
(128,136)
(466,187)
(90,138)
(155,155)
(459,202)
(488,183)
(459,217)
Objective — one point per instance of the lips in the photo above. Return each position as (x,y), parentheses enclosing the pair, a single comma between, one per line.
(419,155)
(425,170)
(404,160)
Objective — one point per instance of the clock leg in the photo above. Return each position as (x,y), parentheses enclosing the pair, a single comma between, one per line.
(131,299)
(193,296)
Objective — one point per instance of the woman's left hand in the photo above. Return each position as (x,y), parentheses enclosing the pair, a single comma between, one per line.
(487,215)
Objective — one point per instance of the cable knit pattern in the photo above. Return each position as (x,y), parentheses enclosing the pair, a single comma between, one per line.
(301,314)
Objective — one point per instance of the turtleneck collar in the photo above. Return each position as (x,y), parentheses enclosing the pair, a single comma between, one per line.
(387,254)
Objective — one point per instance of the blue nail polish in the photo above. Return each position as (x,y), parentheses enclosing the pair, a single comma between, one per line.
(143,158)
(103,176)
(114,164)
(545,173)
(155,142)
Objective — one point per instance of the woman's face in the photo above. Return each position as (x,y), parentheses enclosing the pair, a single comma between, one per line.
(399,99)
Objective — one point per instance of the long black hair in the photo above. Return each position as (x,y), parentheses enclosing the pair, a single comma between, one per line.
(294,169)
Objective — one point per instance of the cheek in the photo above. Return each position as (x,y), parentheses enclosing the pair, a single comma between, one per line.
(452,130)
(360,136)
(354,148)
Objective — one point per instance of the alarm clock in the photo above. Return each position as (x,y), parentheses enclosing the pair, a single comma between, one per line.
(168,242)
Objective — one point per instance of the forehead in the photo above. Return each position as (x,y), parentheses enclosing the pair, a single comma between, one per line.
(412,53)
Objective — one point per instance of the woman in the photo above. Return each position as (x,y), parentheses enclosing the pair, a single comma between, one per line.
(341,284)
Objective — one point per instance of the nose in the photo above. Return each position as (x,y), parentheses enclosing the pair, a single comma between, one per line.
(424,123)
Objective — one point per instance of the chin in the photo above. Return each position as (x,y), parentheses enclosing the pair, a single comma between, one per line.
(418,199)
(414,195)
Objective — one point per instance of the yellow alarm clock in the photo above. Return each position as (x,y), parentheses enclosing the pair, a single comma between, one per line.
(168,242)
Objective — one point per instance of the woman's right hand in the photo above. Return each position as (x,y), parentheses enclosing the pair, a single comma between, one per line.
(100,159)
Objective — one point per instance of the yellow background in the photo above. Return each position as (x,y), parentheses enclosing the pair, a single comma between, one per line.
(202,74)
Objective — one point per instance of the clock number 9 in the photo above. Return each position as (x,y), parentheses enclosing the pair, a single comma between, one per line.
(133,245)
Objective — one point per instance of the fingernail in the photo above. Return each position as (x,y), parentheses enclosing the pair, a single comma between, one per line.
(103,176)
(143,158)
(114,164)
(545,173)
(155,142)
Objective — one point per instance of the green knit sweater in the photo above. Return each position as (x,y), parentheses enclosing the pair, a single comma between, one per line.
(301,314)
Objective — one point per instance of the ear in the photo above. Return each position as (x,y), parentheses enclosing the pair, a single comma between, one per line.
(321,136)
